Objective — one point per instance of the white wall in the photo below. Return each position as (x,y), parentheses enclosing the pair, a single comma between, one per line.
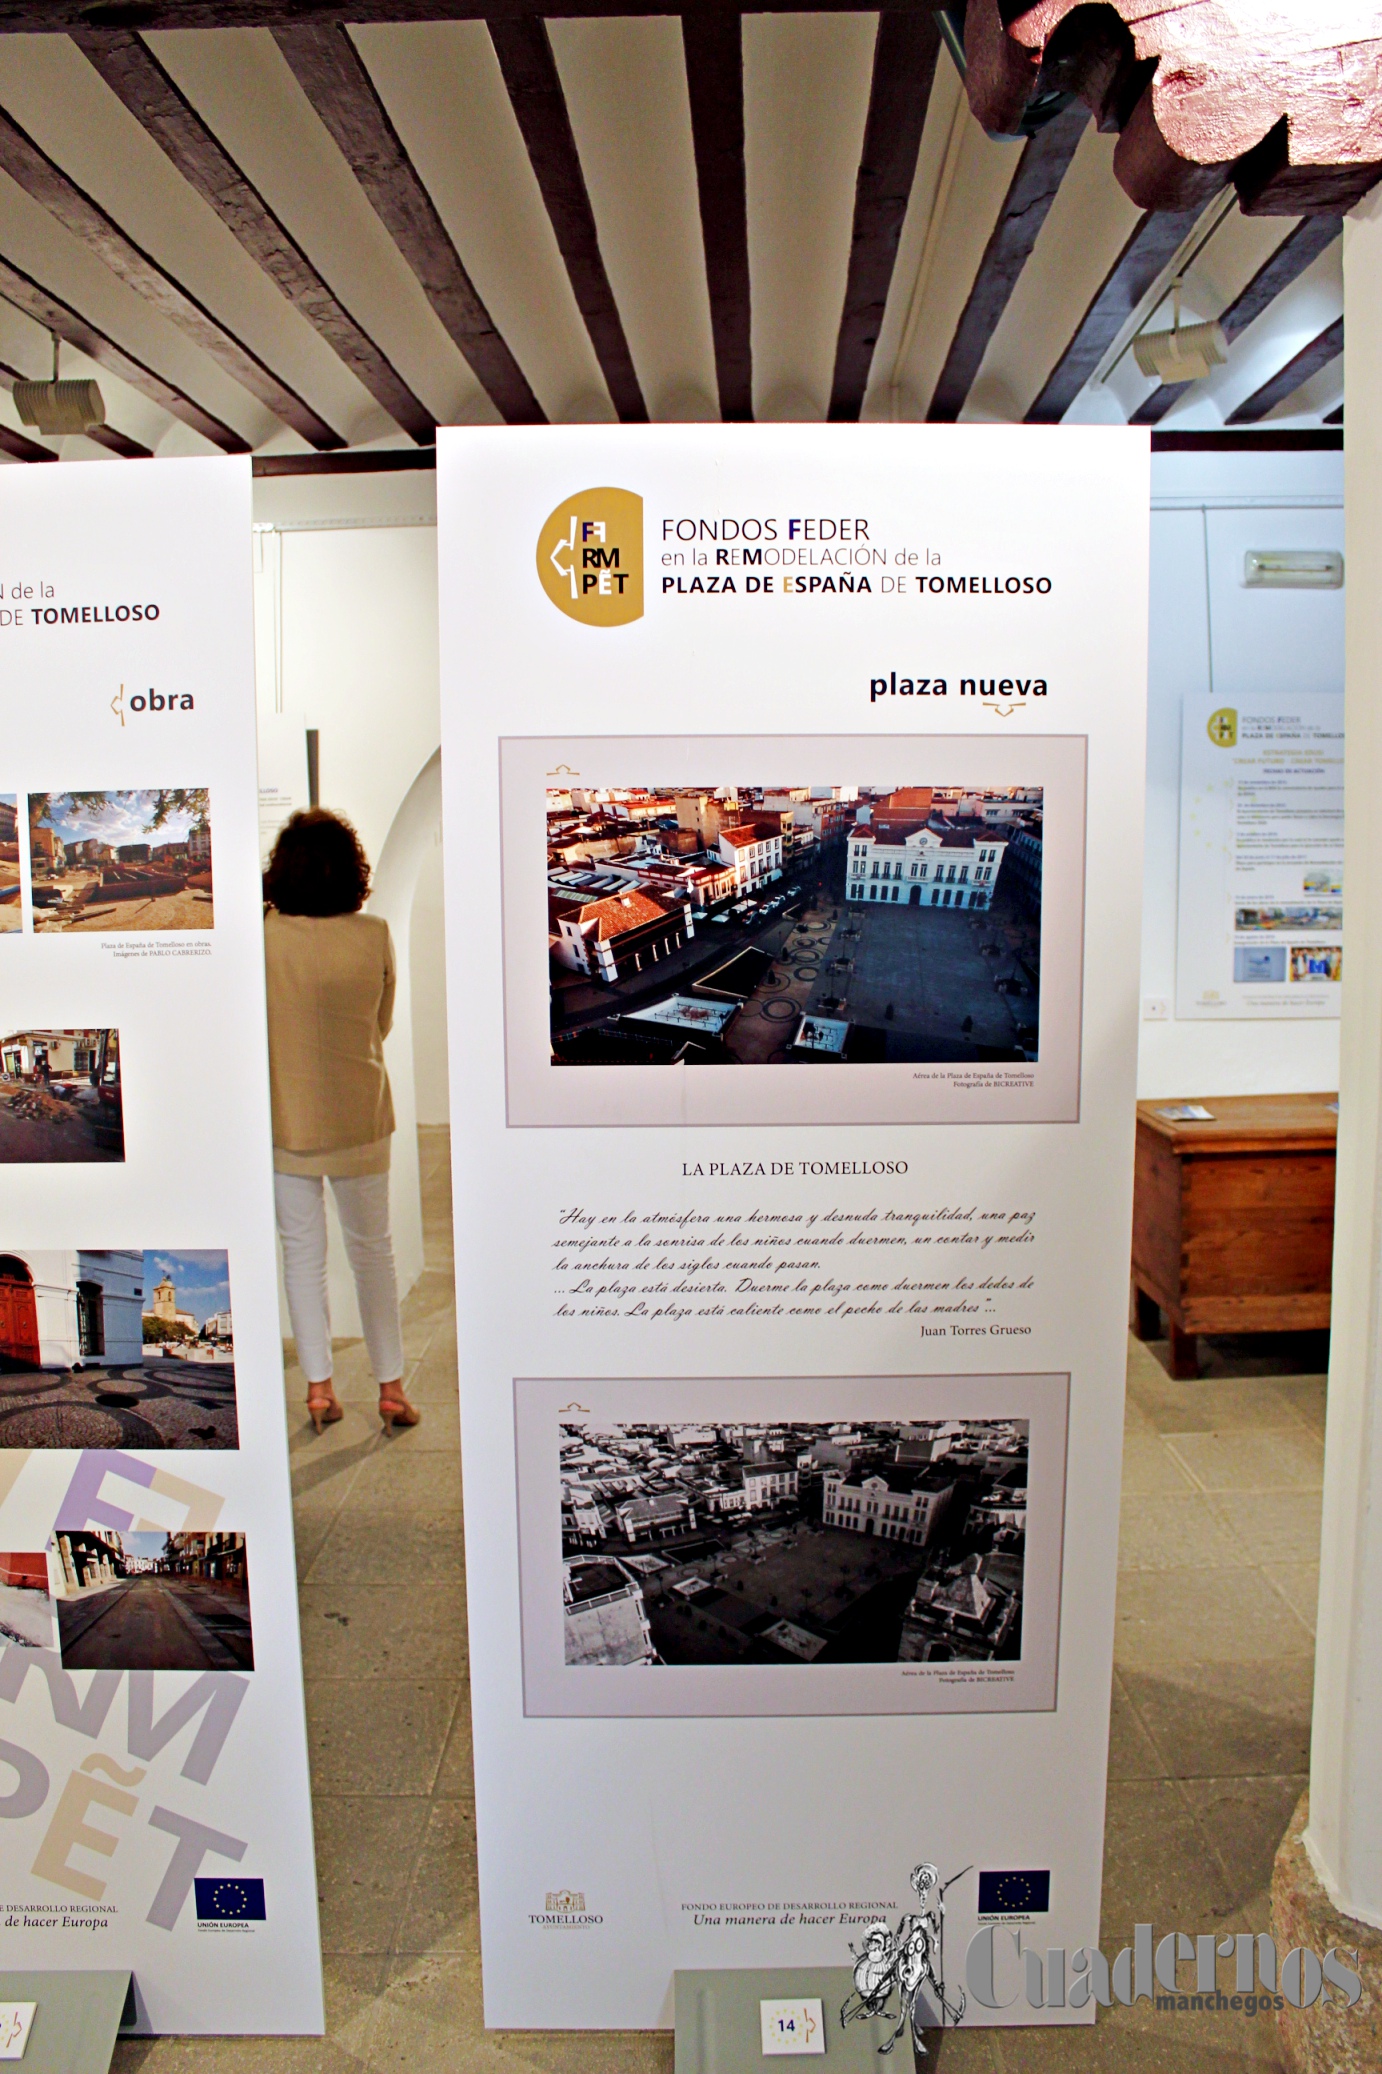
(346,623)
(1210,634)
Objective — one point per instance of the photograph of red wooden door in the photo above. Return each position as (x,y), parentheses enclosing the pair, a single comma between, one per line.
(18,1315)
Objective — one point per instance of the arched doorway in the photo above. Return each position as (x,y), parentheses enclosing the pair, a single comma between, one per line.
(18,1315)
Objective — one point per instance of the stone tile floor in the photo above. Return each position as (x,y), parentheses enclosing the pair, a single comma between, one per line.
(1208,1746)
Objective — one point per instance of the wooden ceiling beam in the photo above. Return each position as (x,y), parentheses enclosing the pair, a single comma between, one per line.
(21,449)
(37,17)
(74,329)
(1311,236)
(524,50)
(714,45)
(46,183)
(132,72)
(1326,346)
(1155,239)
(332,74)
(1040,170)
(904,70)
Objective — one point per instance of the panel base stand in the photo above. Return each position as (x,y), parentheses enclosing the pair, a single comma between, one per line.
(718,2025)
(76,2021)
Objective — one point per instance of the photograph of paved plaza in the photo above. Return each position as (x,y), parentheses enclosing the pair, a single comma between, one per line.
(795,1542)
(111,862)
(116,1349)
(822,924)
(151,1601)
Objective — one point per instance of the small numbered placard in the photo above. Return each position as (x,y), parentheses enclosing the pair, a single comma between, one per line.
(791,2027)
(16,2021)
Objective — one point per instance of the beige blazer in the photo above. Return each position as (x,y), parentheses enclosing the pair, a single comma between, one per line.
(331,985)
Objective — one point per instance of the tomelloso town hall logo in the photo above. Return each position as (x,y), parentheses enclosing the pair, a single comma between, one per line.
(590,557)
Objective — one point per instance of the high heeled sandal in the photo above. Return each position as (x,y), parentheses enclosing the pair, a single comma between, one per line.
(394,1408)
(323,1405)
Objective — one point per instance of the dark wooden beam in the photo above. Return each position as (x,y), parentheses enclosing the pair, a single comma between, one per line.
(119,443)
(904,68)
(1040,170)
(332,74)
(21,449)
(1311,236)
(131,71)
(369,461)
(524,50)
(36,17)
(1335,416)
(1288,439)
(714,45)
(46,183)
(74,329)
(1153,243)
(1308,361)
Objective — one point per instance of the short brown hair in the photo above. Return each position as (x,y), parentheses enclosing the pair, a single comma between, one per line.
(317,867)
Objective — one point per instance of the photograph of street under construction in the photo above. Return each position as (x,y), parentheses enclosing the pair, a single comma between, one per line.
(821,924)
(116,1349)
(795,1542)
(111,862)
(60,1096)
(11,906)
(151,1601)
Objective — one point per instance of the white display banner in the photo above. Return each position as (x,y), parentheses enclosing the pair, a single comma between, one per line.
(154,1808)
(794,786)
(1260,916)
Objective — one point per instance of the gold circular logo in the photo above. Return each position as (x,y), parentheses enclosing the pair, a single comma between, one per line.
(590,557)
(1223,728)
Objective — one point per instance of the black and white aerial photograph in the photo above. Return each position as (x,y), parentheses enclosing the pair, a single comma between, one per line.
(776,1545)
(857,1541)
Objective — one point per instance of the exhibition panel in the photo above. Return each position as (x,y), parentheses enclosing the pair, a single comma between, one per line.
(156,1795)
(793,797)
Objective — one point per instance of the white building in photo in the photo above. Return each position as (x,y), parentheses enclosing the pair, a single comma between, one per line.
(892,1503)
(952,866)
(755,852)
(768,1483)
(62,1310)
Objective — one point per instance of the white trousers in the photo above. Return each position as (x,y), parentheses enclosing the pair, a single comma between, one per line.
(362,1204)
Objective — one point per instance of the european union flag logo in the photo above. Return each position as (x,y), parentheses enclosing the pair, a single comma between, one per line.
(230,1901)
(1009,1893)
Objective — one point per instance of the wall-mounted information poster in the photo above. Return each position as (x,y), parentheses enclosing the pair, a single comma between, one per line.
(793,846)
(153,1770)
(1260,913)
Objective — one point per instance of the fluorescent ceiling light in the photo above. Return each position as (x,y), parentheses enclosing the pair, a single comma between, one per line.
(1290,569)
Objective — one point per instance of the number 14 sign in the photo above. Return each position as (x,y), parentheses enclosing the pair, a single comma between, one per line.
(790,2027)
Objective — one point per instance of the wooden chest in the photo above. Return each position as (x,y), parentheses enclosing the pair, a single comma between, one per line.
(1233,1218)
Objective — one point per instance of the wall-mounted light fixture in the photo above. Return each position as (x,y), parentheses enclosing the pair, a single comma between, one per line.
(1293,569)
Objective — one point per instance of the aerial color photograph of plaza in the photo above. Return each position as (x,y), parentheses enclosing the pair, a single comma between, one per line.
(112,862)
(822,924)
(795,1542)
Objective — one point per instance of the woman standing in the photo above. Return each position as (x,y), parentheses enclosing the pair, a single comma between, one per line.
(330,974)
